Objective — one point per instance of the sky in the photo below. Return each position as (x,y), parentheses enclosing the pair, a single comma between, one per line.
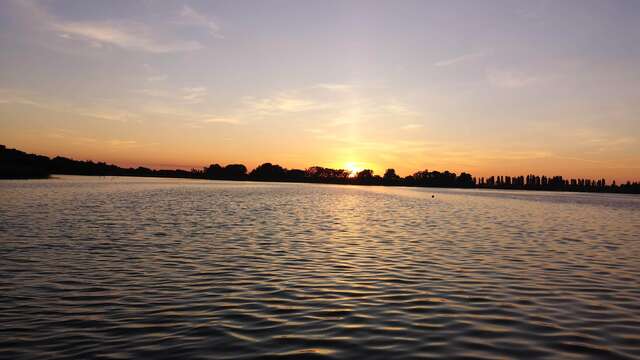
(487,87)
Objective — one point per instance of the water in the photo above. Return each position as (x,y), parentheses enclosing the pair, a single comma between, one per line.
(162,268)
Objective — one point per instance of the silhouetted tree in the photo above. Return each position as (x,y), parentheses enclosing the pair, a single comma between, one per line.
(296,175)
(235,172)
(366,177)
(268,172)
(390,178)
(321,174)
(465,180)
(214,171)
(18,164)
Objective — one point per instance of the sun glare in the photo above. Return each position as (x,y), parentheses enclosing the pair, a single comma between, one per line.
(353,168)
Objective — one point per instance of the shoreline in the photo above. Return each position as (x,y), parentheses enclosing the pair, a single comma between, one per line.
(16,165)
(54,176)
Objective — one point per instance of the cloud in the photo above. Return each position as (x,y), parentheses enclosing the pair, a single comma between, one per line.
(8,96)
(191,17)
(159,34)
(121,143)
(106,114)
(342,108)
(334,87)
(511,79)
(388,148)
(393,107)
(459,59)
(315,131)
(281,103)
(95,110)
(193,95)
(125,35)
(510,154)
(153,92)
(185,95)
(598,141)
(196,121)
(344,120)
(155,78)
(219,120)
(79,138)
(411,126)
(169,105)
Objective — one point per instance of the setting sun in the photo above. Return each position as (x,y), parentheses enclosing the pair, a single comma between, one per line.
(353,168)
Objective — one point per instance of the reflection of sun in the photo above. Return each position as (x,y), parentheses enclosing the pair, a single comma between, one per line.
(352,168)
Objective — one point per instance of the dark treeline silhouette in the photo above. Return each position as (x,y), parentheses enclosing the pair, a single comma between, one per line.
(15,164)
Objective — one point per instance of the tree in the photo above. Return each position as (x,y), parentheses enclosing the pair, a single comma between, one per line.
(235,172)
(390,177)
(365,177)
(214,171)
(268,172)
(465,180)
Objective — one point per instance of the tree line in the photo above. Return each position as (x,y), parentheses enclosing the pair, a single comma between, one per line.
(16,164)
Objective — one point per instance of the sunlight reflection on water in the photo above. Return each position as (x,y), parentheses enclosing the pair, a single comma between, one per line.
(164,268)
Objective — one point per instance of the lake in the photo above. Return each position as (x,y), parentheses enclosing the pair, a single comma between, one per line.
(168,268)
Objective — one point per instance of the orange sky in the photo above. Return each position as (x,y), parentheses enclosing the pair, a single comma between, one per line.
(414,86)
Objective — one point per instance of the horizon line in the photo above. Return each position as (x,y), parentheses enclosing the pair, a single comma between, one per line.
(201,168)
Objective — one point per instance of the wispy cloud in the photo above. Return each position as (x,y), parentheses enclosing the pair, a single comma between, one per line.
(194,95)
(121,143)
(281,103)
(189,16)
(347,119)
(598,141)
(155,78)
(152,92)
(411,126)
(8,96)
(460,59)
(185,95)
(335,87)
(393,148)
(94,109)
(330,101)
(394,107)
(106,113)
(168,105)
(80,138)
(315,131)
(511,79)
(221,120)
(503,154)
(160,34)
(126,35)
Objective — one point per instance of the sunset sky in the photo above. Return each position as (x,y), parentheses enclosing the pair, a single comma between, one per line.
(487,87)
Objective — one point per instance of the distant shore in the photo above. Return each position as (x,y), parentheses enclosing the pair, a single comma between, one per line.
(16,164)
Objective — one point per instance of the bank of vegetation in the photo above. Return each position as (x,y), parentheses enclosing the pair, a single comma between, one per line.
(16,164)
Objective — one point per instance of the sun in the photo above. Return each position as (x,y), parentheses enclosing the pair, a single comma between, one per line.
(352,168)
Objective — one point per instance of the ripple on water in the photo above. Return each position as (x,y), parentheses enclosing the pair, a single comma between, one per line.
(159,268)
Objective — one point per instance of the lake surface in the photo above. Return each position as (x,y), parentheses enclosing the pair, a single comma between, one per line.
(162,268)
